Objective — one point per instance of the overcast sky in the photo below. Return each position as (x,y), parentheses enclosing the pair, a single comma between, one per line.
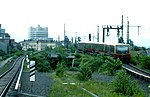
(81,16)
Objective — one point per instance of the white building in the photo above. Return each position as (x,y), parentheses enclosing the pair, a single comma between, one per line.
(37,45)
(38,33)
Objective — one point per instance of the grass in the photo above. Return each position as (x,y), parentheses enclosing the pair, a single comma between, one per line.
(5,67)
(25,66)
(101,89)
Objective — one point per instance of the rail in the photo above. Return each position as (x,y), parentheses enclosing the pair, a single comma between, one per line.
(18,80)
(8,84)
(137,71)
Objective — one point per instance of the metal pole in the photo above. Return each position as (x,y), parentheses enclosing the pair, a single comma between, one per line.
(103,35)
(64,35)
(122,26)
(97,33)
(127,31)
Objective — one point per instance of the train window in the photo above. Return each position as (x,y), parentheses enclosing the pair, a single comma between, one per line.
(112,48)
(122,49)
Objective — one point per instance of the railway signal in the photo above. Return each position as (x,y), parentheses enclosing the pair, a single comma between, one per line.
(118,28)
(89,37)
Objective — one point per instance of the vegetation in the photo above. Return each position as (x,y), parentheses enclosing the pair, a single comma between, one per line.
(82,71)
(42,64)
(5,67)
(140,59)
(144,62)
(62,87)
(122,84)
(60,69)
(2,53)
(103,64)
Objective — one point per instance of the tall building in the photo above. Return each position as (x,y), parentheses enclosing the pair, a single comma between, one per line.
(38,33)
(3,35)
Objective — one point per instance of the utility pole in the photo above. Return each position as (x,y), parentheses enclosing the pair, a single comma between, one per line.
(64,35)
(122,27)
(76,36)
(127,31)
(138,29)
(128,26)
(97,33)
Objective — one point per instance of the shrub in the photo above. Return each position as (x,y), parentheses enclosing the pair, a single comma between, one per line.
(110,66)
(133,60)
(60,69)
(122,84)
(43,66)
(144,61)
(73,69)
(85,71)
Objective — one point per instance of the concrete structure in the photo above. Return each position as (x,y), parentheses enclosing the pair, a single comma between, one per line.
(5,41)
(38,33)
(37,45)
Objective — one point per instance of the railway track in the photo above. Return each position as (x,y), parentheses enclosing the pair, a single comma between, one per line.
(137,71)
(7,77)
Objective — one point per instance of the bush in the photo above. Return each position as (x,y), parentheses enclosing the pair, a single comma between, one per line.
(133,60)
(60,69)
(122,84)
(73,69)
(144,61)
(85,72)
(110,66)
(43,66)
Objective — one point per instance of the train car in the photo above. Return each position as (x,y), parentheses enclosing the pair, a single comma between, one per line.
(91,47)
(80,47)
(86,47)
(121,51)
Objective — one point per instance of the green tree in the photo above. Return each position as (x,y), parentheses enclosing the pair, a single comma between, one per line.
(122,84)
(60,69)
(85,72)
(43,66)
(85,68)
(41,62)
(143,48)
(144,61)
(2,53)
(110,66)
(136,48)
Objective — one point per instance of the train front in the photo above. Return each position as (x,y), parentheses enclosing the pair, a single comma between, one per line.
(122,52)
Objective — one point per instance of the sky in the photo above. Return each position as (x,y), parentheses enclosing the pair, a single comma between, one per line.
(81,16)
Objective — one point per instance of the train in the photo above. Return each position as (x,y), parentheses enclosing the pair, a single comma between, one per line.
(121,51)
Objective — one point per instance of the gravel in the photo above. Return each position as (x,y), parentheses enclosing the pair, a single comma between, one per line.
(102,77)
(40,87)
(143,84)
